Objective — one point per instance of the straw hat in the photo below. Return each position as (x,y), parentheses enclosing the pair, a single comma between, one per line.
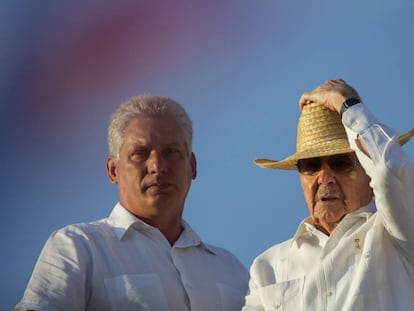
(320,133)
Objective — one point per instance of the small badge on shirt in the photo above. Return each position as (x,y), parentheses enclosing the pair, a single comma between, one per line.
(357,244)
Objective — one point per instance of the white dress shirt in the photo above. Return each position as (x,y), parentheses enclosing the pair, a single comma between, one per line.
(122,263)
(367,263)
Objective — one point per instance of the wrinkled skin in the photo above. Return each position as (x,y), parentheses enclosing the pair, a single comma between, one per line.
(330,195)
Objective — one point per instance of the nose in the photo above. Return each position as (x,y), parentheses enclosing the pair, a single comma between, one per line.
(156,163)
(325,175)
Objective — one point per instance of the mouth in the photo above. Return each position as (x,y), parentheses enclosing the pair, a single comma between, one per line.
(157,186)
(326,195)
(326,199)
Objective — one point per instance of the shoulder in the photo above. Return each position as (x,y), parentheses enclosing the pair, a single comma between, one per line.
(84,228)
(81,234)
(219,251)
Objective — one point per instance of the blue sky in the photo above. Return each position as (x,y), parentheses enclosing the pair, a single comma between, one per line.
(237,66)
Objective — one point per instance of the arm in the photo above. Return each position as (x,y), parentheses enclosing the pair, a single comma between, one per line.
(392,174)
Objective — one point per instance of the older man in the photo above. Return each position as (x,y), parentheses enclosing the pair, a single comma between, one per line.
(144,256)
(356,250)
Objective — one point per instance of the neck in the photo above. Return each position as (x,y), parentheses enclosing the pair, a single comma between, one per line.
(170,228)
(326,228)
(171,234)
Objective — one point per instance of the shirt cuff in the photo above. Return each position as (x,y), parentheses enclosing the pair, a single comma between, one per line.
(358,118)
(359,121)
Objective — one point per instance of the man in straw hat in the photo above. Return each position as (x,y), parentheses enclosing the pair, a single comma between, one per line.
(356,250)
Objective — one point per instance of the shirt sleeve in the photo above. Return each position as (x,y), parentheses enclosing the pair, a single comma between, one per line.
(391,172)
(59,279)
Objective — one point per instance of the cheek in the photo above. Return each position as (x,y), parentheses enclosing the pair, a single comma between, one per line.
(308,191)
(357,190)
(131,173)
(353,176)
(352,185)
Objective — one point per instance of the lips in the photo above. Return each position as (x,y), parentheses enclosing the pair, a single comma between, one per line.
(326,194)
(327,198)
(160,185)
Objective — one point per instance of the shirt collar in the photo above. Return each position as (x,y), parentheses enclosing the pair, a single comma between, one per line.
(122,221)
(189,238)
(306,230)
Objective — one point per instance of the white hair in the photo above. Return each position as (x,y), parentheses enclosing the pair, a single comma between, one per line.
(146,106)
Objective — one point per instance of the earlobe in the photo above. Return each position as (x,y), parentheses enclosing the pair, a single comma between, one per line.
(111,170)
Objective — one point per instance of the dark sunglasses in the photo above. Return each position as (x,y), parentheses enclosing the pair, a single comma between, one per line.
(341,163)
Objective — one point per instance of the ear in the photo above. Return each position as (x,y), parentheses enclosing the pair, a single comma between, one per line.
(111,170)
(193,166)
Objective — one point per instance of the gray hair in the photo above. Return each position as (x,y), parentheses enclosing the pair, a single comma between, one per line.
(146,106)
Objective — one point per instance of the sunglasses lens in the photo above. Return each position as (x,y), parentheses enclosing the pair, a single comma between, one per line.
(309,166)
(341,163)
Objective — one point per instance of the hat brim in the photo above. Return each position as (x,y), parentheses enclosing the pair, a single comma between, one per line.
(290,163)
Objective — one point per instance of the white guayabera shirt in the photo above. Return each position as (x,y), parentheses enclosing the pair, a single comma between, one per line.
(367,263)
(121,263)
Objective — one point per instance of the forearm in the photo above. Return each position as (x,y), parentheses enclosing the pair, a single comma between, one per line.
(392,174)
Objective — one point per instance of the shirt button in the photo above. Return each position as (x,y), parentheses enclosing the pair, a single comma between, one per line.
(328,294)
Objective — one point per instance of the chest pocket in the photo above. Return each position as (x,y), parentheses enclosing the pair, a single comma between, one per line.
(136,292)
(283,296)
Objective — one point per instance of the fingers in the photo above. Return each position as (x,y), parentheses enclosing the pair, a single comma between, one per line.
(331,93)
(306,98)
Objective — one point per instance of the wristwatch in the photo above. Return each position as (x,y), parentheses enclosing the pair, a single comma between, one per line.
(349,102)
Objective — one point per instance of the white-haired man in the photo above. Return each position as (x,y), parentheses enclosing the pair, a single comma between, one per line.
(144,256)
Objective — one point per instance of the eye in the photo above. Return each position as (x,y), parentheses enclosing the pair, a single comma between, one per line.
(139,153)
(342,163)
(172,152)
(309,166)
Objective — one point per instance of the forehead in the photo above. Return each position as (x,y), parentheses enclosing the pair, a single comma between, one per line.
(156,130)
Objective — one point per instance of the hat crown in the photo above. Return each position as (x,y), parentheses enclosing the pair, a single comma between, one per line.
(320,128)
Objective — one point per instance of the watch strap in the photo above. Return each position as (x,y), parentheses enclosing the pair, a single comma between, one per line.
(349,102)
